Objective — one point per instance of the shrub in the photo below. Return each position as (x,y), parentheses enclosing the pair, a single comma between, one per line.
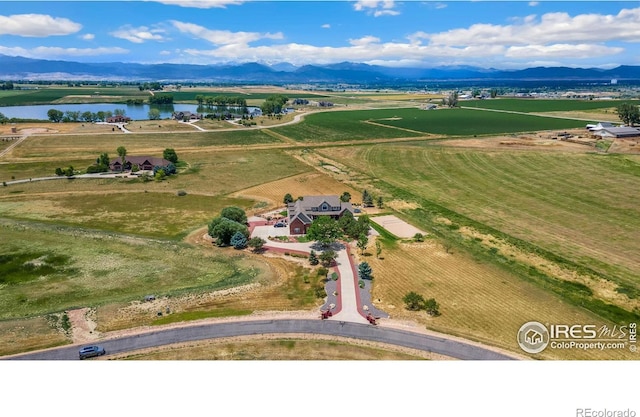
(239,240)
(322,271)
(365,271)
(418,237)
(413,301)
(334,276)
(313,258)
(181,193)
(361,283)
(432,307)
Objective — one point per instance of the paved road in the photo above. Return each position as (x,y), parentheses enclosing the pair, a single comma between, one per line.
(368,332)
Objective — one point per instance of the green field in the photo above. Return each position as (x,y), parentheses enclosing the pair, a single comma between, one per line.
(352,125)
(544,105)
(50,94)
(89,268)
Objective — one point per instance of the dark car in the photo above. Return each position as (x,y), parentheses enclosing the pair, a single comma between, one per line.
(91,351)
(279,225)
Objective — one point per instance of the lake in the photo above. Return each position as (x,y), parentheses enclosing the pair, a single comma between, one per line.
(135,112)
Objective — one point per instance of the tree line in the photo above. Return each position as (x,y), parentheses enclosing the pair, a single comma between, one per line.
(57,116)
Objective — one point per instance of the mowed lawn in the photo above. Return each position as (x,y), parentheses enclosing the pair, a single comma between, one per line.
(581,207)
(412,122)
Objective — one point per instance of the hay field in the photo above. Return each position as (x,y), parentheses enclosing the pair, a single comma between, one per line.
(576,205)
(477,300)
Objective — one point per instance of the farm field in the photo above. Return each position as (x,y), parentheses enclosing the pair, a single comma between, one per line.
(56,94)
(89,146)
(544,105)
(556,200)
(308,183)
(412,122)
(477,300)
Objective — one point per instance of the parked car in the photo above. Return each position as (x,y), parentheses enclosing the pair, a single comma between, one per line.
(91,351)
(279,225)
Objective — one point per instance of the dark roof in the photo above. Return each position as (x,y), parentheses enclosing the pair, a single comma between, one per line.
(303,209)
(143,160)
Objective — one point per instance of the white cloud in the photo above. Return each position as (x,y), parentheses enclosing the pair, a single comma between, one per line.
(37,25)
(48,52)
(534,3)
(139,35)
(364,41)
(549,28)
(326,26)
(88,37)
(202,4)
(223,37)
(376,8)
(574,51)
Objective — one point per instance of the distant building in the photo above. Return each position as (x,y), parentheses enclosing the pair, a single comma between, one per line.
(144,163)
(118,119)
(618,132)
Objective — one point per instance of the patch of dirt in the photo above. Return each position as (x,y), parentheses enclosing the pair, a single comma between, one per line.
(83,325)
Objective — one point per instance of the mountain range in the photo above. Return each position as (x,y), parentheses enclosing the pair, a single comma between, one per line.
(20,68)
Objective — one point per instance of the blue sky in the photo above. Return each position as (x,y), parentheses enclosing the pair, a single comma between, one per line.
(497,34)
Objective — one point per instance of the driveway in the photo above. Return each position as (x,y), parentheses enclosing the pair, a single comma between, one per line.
(348,290)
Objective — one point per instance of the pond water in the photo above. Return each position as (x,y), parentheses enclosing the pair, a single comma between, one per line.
(135,112)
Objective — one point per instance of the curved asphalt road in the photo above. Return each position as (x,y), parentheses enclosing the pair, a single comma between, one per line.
(403,338)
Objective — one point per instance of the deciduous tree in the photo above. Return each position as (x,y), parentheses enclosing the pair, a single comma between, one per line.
(629,113)
(324,230)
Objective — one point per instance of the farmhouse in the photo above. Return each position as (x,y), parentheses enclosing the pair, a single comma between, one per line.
(144,163)
(302,212)
(118,119)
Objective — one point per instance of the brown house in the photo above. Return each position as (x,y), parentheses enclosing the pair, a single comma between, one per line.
(301,213)
(144,163)
(118,119)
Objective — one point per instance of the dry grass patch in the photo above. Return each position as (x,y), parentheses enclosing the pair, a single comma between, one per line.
(308,183)
(158,126)
(18,336)
(279,348)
